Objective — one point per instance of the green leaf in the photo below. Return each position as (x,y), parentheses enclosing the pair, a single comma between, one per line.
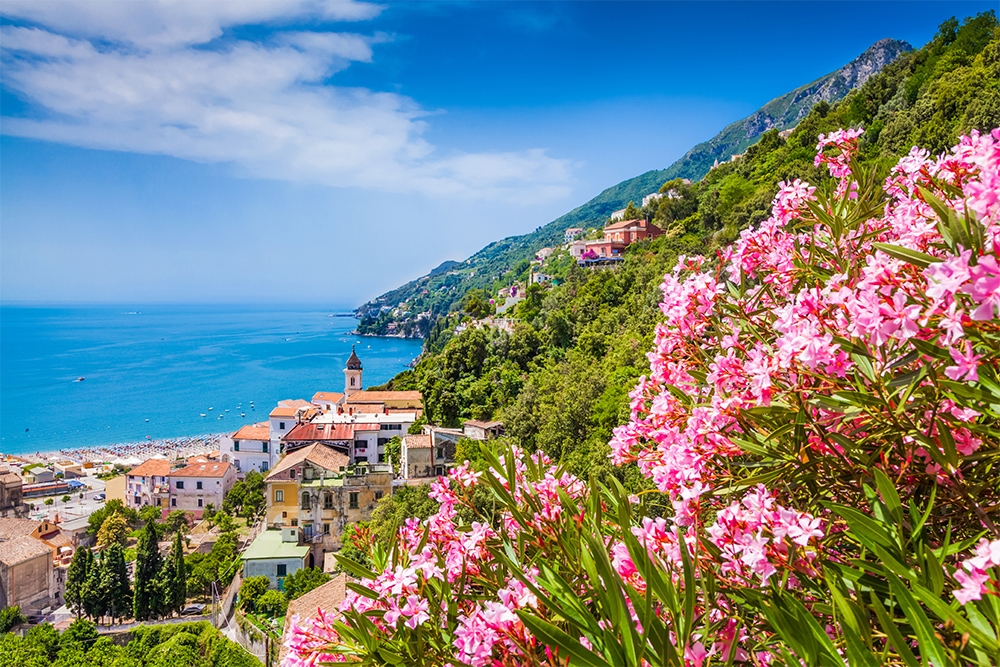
(914,257)
(552,636)
(931,651)
(891,631)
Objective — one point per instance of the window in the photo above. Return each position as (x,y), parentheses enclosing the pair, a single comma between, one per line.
(295,522)
(353,501)
(180,485)
(282,569)
(263,465)
(328,501)
(236,462)
(236,445)
(352,382)
(197,485)
(173,502)
(291,474)
(264,447)
(326,529)
(279,496)
(378,495)
(281,426)
(361,459)
(440,452)
(305,500)
(199,502)
(381,458)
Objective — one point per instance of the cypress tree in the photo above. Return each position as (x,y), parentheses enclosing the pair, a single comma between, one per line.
(115,584)
(176,581)
(94,602)
(76,577)
(147,601)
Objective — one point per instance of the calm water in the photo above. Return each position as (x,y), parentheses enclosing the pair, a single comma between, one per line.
(168,364)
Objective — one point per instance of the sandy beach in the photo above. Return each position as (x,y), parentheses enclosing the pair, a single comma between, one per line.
(132,453)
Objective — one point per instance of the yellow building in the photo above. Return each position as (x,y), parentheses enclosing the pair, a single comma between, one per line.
(315,490)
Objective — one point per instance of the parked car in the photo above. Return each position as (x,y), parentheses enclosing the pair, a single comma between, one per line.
(193,610)
(100,496)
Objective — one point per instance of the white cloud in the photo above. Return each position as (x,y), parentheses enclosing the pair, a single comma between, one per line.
(154,78)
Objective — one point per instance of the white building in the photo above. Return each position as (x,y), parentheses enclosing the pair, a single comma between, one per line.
(249,448)
(144,482)
(654,196)
(327,400)
(572,233)
(200,483)
(286,415)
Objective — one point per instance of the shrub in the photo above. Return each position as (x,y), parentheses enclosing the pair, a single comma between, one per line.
(821,416)
(251,589)
(272,603)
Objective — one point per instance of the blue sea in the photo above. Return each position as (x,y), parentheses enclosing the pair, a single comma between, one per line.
(168,365)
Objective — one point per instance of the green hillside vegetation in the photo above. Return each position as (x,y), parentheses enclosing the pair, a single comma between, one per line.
(175,645)
(560,381)
(413,309)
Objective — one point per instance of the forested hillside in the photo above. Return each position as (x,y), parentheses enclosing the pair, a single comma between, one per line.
(412,309)
(560,382)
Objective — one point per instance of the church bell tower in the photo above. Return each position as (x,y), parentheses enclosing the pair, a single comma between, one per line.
(352,374)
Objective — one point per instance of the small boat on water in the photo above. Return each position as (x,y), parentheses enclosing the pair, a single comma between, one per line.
(202,414)
(243,414)
(81,379)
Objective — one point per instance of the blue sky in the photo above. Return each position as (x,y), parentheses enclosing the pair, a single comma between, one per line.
(294,151)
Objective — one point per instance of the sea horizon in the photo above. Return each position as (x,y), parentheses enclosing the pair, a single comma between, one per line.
(151,371)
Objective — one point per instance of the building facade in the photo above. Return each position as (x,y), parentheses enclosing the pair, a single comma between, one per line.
(315,490)
(145,483)
(249,449)
(196,485)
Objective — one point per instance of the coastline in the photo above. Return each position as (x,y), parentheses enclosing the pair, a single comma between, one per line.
(129,453)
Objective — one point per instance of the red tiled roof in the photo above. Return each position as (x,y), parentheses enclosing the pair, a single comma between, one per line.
(331,396)
(382,396)
(479,424)
(254,432)
(151,468)
(624,224)
(308,431)
(317,453)
(210,469)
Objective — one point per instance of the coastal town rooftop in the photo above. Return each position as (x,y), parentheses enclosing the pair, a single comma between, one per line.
(270,545)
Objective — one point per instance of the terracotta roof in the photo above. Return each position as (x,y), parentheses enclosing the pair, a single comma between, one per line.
(10,478)
(283,412)
(479,424)
(309,431)
(318,454)
(417,442)
(60,539)
(326,597)
(331,396)
(624,224)
(151,468)
(295,403)
(382,396)
(254,432)
(11,528)
(210,469)
(21,549)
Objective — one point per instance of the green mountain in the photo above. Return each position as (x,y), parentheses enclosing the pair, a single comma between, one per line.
(413,309)
(786,111)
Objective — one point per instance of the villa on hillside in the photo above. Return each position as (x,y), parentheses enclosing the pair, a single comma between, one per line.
(617,237)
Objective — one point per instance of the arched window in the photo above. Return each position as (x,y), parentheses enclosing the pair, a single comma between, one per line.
(352,382)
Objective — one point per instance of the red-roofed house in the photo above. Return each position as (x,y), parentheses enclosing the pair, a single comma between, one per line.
(338,436)
(327,400)
(250,448)
(144,482)
(196,485)
(620,235)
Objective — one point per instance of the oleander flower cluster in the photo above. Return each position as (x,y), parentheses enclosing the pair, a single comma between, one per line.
(821,420)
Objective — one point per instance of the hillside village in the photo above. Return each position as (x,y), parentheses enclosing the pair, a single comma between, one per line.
(322,466)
